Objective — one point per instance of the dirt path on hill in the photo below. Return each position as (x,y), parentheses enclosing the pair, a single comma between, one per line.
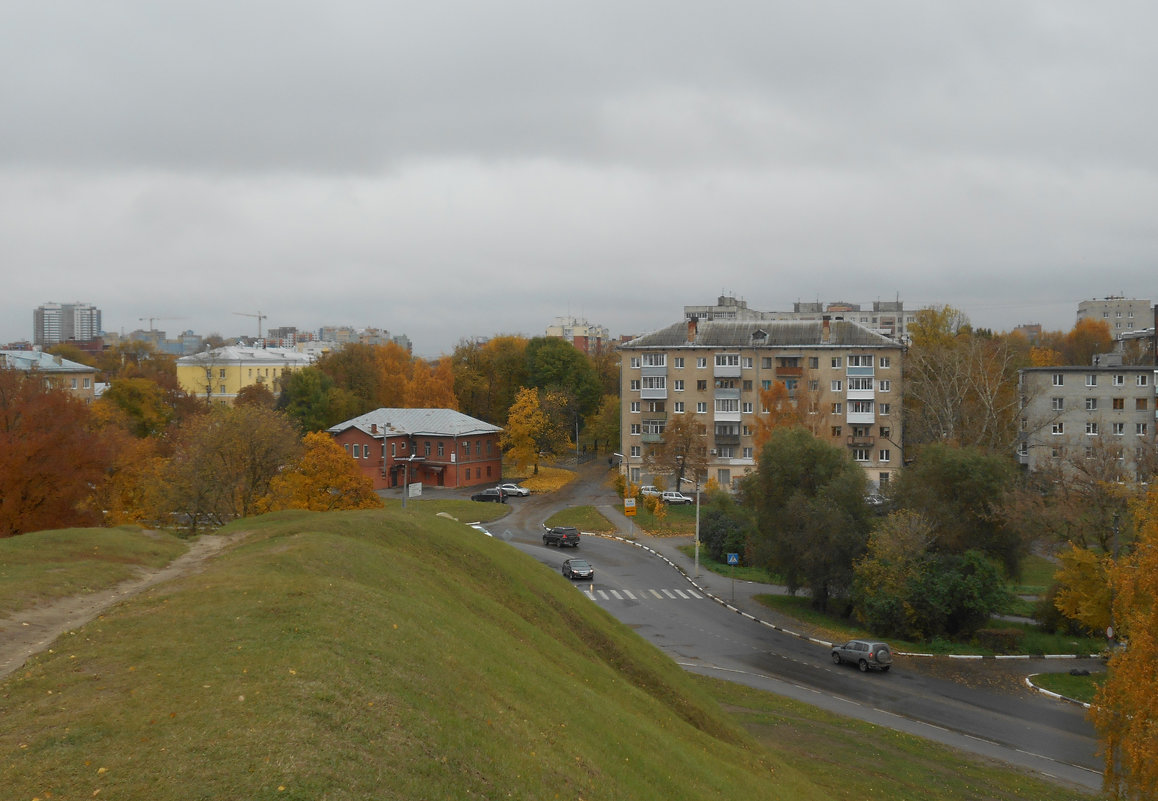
(33,630)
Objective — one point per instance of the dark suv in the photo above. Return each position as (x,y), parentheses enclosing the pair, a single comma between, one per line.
(560,536)
(865,654)
(493,495)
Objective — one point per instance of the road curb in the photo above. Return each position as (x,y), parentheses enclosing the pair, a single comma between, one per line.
(1029,683)
(728,605)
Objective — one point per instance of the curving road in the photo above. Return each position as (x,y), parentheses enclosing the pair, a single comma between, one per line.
(999,719)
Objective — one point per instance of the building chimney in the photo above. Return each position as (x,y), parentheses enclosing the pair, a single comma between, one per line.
(692,325)
(826,329)
(373,428)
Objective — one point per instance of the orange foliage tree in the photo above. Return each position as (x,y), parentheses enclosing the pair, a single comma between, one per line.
(51,456)
(324,479)
(1125,711)
(431,387)
(782,412)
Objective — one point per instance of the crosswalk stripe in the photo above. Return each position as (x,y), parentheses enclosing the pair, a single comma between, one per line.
(628,594)
(603,595)
(617,595)
(669,594)
(681,594)
(657,595)
(696,595)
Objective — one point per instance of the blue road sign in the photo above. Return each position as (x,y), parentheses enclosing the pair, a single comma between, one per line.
(733,558)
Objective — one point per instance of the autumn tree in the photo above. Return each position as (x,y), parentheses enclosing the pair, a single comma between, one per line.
(224,461)
(1083,587)
(140,404)
(812,523)
(603,425)
(323,479)
(52,455)
(781,412)
(525,424)
(315,401)
(255,395)
(1086,340)
(555,365)
(431,386)
(681,453)
(488,377)
(1125,710)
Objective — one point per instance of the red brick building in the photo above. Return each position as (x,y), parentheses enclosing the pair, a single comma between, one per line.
(436,447)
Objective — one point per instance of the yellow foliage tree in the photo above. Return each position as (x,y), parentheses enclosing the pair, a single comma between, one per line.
(323,479)
(1084,587)
(1125,711)
(782,412)
(1044,357)
(431,387)
(525,424)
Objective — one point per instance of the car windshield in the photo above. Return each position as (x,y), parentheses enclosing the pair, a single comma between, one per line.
(578,564)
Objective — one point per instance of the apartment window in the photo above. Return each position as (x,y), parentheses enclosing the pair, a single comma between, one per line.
(727,360)
(885,362)
(836,361)
(1091,379)
(636,428)
(860,384)
(655,360)
(1119,403)
(1058,428)
(426,448)
(442,448)
(883,455)
(746,408)
(746,362)
(886,432)
(635,406)
(1141,404)
(635,450)
(836,386)
(702,362)
(766,384)
(813,362)
(726,452)
(747,386)
(1091,404)
(813,385)
(766,363)
(1059,379)
(860,454)
(1119,429)
(1140,429)
(635,385)
(1143,380)
(836,431)
(1119,380)
(678,362)
(635,361)
(88,383)
(679,385)
(701,386)
(701,407)
(655,382)
(860,407)
(393,449)
(860,361)
(836,408)
(221,389)
(679,407)
(1057,404)
(1092,428)
(886,385)
(727,405)
(748,453)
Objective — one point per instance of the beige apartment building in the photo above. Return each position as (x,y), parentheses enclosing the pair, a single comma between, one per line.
(849,376)
(217,375)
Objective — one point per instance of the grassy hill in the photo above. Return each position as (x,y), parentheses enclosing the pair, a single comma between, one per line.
(392,654)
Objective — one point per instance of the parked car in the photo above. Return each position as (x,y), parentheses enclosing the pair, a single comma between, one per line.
(671,496)
(649,491)
(491,495)
(560,536)
(865,654)
(514,489)
(578,569)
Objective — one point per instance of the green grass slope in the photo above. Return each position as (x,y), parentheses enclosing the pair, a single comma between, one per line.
(371,655)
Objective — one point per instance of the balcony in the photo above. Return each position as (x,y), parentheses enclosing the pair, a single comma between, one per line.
(727,439)
(727,371)
(789,372)
(860,442)
(726,394)
(651,438)
(653,393)
(860,394)
(860,371)
(860,418)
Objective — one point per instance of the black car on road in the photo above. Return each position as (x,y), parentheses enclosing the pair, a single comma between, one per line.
(578,569)
(560,536)
(491,495)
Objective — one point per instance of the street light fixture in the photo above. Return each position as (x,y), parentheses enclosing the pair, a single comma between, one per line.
(696,480)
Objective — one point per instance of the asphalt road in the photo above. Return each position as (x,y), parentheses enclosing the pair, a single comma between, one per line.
(983,708)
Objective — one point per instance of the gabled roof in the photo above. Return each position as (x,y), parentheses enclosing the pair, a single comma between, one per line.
(416,422)
(718,334)
(39,360)
(234,354)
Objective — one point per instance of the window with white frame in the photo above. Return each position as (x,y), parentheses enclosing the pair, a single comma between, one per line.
(679,407)
(655,382)
(635,385)
(860,407)
(702,362)
(836,408)
(860,384)
(860,360)
(727,360)
(886,385)
(701,407)
(1140,429)
(836,361)
(836,386)
(1058,428)
(1119,380)
(1091,404)
(860,454)
(655,360)
(678,362)
(87,383)
(748,453)
(726,452)
(746,408)
(1057,404)
(1091,428)
(1059,379)
(635,406)
(727,405)
(746,362)
(1119,429)
(884,455)
(1091,379)
(883,409)
(885,362)
(635,450)
(679,385)
(1143,380)
(813,384)
(635,361)
(636,428)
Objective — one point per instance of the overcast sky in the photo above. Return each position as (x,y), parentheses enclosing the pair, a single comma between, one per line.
(458,169)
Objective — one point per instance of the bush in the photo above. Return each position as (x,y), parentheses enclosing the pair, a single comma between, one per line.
(1000,640)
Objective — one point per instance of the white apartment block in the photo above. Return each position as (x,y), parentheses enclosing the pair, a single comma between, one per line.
(716,369)
(1104,411)
(54,323)
(1121,314)
(889,318)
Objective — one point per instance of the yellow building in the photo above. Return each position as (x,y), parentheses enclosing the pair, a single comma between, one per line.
(219,374)
(79,379)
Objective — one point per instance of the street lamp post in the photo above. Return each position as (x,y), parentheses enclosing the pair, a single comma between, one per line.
(697,483)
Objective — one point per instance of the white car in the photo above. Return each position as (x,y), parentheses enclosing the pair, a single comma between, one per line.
(514,489)
(649,491)
(672,496)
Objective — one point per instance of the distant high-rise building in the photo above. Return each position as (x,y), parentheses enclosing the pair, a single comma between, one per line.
(583,335)
(1120,314)
(54,323)
(889,318)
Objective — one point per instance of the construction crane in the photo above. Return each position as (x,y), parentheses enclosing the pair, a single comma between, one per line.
(152,319)
(259,317)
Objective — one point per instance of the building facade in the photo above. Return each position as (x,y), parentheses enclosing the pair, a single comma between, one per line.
(849,379)
(1105,411)
(888,318)
(1120,314)
(54,323)
(583,335)
(219,374)
(79,379)
(439,447)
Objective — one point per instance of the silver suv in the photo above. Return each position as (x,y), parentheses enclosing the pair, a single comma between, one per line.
(865,654)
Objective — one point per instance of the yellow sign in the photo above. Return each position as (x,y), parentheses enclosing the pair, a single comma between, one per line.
(629,507)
